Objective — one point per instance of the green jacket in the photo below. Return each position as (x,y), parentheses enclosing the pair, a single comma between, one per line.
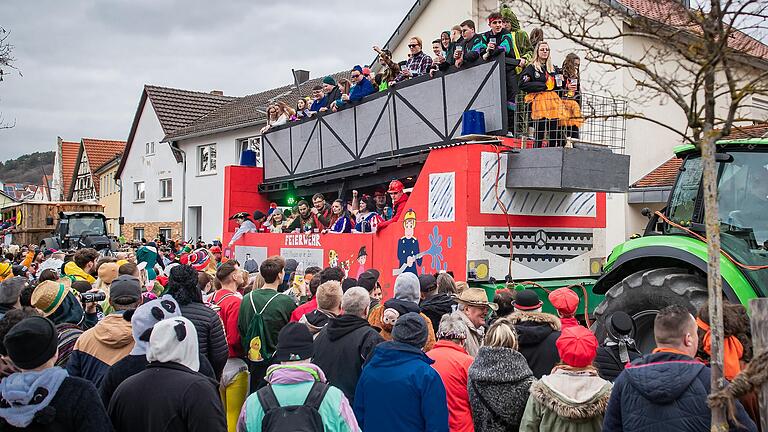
(567,401)
(275,316)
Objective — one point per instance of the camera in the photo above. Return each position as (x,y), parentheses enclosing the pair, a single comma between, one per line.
(93,297)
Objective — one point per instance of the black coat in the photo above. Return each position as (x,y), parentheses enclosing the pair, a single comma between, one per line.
(129,366)
(167,397)
(608,362)
(436,306)
(536,337)
(341,349)
(76,408)
(664,392)
(210,334)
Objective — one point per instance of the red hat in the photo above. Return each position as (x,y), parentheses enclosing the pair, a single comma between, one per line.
(395,186)
(564,300)
(215,249)
(577,346)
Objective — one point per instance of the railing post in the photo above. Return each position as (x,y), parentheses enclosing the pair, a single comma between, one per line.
(759,322)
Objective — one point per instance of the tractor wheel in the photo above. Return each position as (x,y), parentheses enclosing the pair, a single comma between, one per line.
(644,293)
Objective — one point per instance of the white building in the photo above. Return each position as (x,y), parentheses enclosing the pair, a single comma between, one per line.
(150,174)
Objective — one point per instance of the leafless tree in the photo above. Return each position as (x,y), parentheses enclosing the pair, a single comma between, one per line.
(703,57)
(6,66)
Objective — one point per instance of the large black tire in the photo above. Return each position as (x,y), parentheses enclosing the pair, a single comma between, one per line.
(644,293)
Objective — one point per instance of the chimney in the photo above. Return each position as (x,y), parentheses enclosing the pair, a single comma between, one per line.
(300,76)
(217,92)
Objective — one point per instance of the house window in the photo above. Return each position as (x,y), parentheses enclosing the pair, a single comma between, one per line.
(166,189)
(149,148)
(138,192)
(252,143)
(164,234)
(206,156)
(138,234)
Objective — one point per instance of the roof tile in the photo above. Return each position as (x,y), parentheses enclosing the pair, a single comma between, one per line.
(69,152)
(177,108)
(99,152)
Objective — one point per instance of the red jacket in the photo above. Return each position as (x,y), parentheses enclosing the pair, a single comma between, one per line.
(229,310)
(398,208)
(452,364)
(304,309)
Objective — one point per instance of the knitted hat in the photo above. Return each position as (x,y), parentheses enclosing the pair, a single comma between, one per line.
(410,329)
(294,342)
(125,290)
(358,68)
(348,283)
(368,279)
(527,300)
(11,288)
(31,342)
(565,301)
(198,259)
(108,272)
(427,283)
(407,287)
(144,318)
(174,341)
(329,80)
(577,346)
(48,296)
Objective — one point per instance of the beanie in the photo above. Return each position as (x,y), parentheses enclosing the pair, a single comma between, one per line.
(410,329)
(329,80)
(565,301)
(31,342)
(577,346)
(407,287)
(294,342)
(174,341)
(11,288)
(368,279)
(427,283)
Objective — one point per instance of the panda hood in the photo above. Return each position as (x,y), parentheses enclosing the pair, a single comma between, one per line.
(145,317)
(174,340)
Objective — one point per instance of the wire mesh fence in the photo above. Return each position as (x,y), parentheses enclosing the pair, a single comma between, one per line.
(581,120)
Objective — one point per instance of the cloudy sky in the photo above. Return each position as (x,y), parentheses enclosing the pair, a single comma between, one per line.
(84,62)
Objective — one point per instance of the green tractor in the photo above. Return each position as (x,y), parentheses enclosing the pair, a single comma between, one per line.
(668,264)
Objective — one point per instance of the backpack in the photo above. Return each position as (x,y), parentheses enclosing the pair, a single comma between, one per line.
(255,335)
(298,418)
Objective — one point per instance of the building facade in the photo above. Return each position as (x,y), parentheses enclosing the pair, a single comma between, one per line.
(109,194)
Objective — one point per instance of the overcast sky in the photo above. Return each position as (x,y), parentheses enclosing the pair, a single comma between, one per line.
(84,62)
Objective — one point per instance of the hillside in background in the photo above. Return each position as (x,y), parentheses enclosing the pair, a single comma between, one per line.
(27,168)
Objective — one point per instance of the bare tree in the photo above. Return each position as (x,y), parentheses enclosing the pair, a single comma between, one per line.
(700,57)
(6,65)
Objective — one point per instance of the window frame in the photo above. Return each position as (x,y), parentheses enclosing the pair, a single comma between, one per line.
(252,143)
(136,230)
(209,171)
(136,197)
(149,148)
(162,189)
(169,230)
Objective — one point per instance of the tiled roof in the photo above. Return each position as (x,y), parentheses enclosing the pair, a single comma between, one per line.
(100,152)
(248,110)
(670,12)
(69,151)
(176,108)
(666,174)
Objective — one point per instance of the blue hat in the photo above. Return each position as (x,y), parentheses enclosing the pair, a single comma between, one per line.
(358,68)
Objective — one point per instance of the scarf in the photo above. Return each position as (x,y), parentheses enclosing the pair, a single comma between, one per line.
(732,350)
(28,393)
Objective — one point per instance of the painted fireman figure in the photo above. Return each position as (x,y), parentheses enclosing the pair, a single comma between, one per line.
(408,246)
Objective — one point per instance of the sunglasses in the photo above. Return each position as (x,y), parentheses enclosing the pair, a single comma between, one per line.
(355,76)
(412,45)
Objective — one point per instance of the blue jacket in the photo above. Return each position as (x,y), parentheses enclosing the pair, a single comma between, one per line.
(399,391)
(361,90)
(664,392)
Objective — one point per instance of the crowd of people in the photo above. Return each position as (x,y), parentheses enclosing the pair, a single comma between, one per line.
(99,343)
(551,94)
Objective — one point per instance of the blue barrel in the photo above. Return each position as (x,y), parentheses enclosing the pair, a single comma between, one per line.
(248,158)
(473,123)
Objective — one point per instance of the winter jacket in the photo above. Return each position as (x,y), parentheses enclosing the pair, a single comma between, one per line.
(498,384)
(229,310)
(399,391)
(210,334)
(130,366)
(304,225)
(331,97)
(291,385)
(76,273)
(474,335)
(276,315)
(75,406)
(452,363)
(342,348)
(664,392)
(532,80)
(567,401)
(436,306)
(316,320)
(608,361)
(360,90)
(374,318)
(398,209)
(303,309)
(536,336)
(180,400)
(100,347)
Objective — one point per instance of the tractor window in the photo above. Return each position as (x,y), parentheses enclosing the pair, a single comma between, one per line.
(743,193)
(86,225)
(683,201)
